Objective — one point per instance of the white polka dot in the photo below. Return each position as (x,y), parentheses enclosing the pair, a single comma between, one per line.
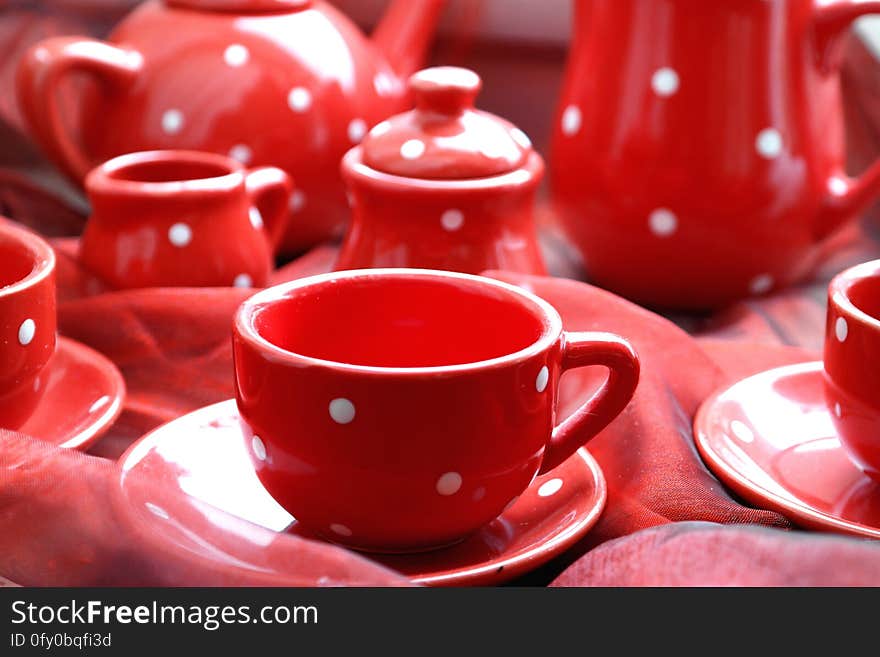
(299,99)
(256,218)
(259,448)
(452,220)
(769,143)
(479,493)
(665,81)
(571,120)
(549,488)
(384,84)
(663,222)
(297,201)
(242,153)
(841,329)
(838,186)
(243,280)
(356,130)
(837,410)
(521,138)
(180,234)
(342,530)
(742,431)
(172,121)
(26,332)
(761,284)
(543,378)
(236,55)
(380,129)
(412,149)
(342,410)
(449,483)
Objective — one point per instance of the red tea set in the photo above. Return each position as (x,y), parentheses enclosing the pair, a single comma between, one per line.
(403,404)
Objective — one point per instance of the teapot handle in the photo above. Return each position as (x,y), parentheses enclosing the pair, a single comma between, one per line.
(269,189)
(845,196)
(39,74)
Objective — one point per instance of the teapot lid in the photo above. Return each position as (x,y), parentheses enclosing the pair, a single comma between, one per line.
(444,137)
(241,6)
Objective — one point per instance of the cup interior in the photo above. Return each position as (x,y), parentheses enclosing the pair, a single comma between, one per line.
(400,322)
(17,262)
(169,170)
(864,294)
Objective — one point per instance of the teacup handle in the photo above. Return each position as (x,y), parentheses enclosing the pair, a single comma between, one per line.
(582,350)
(42,69)
(269,189)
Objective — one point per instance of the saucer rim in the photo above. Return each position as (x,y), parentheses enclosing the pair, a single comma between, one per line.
(486,573)
(538,554)
(799,513)
(86,438)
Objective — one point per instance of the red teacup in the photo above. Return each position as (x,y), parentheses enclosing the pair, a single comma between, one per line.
(183,218)
(402,409)
(852,363)
(27,321)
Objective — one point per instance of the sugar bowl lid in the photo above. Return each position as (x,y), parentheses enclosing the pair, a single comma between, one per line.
(444,137)
(241,6)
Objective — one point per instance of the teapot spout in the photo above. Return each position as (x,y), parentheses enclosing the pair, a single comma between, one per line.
(406,32)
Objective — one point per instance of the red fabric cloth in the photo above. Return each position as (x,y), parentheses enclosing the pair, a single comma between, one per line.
(48,498)
(705,554)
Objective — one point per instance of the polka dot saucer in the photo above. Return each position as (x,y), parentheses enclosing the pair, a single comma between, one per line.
(771,439)
(550,516)
(83,396)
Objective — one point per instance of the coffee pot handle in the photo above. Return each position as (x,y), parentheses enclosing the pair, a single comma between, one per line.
(845,197)
(38,76)
(583,350)
(269,189)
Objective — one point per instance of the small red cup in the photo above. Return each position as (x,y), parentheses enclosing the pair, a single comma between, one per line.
(400,410)
(27,321)
(852,363)
(183,218)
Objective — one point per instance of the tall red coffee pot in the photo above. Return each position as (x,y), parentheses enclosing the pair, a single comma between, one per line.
(698,149)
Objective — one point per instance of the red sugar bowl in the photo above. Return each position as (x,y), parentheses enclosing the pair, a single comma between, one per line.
(444,186)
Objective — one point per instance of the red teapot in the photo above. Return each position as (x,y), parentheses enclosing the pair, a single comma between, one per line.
(288,83)
(698,151)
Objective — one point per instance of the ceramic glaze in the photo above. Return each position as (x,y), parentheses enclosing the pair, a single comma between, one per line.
(442,388)
(773,440)
(182,218)
(271,82)
(27,322)
(852,363)
(698,148)
(84,394)
(444,186)
(551,515)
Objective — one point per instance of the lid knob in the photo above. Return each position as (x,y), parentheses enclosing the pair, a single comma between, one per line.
(445,137)
(446,90)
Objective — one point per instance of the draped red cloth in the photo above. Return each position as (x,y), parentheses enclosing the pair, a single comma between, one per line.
(668,520)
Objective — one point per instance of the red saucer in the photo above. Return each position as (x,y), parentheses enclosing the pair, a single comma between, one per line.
(771,439)
(551,515)
(83,397)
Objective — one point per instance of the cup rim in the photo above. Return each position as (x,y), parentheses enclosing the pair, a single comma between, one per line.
(243,323)
(839,292)
(43,256)
(102,180)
